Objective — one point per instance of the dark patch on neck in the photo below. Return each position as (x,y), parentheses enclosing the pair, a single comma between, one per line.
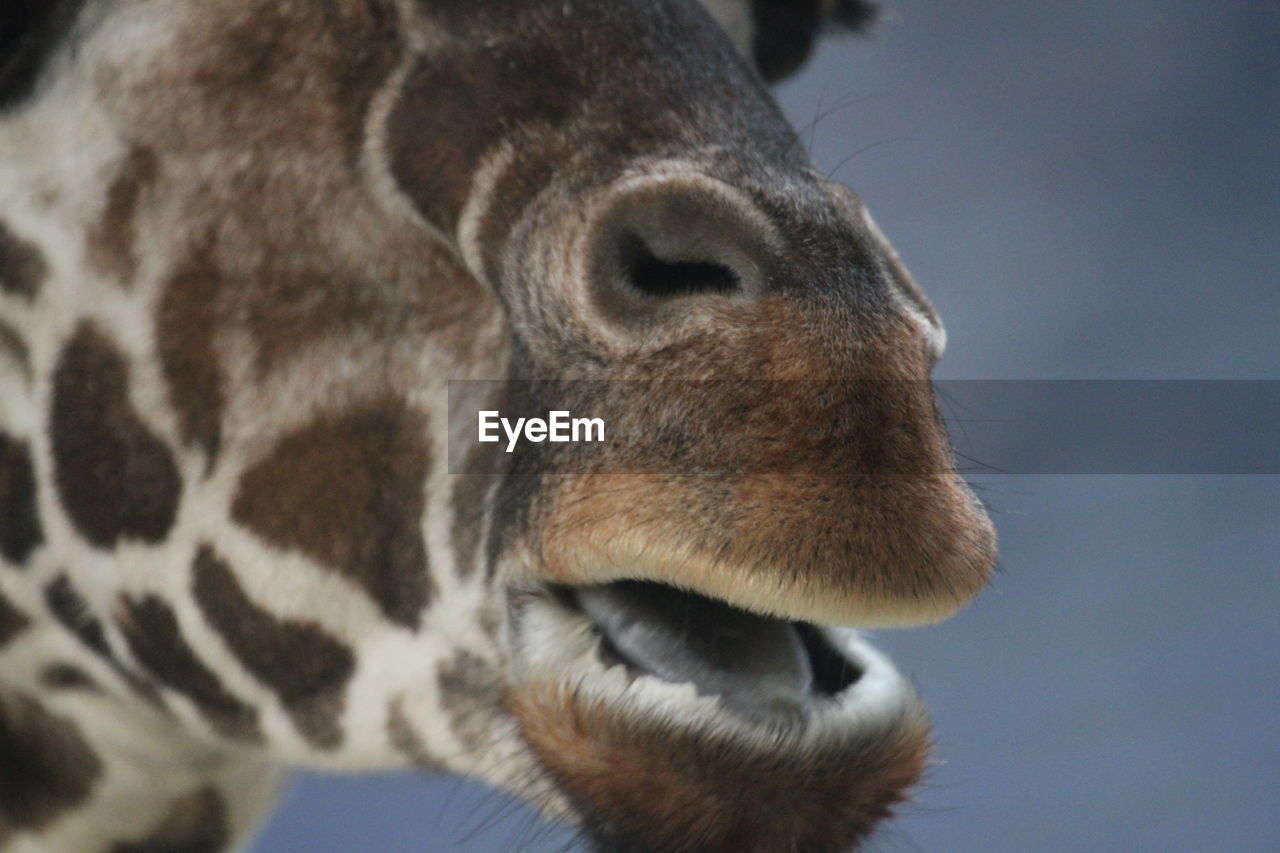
(12,344)
(151,628)
(20,531)
(117,479)
(405,738)
(195,823)
(293,76)
(290,306)
(287,304)
(71,610)
(471,692)
(65,676)
(30,32)
(46,766)
(73,613)
(12,621)
(347,490)
(112,240)
(186,318)
(307,668)
(22,267)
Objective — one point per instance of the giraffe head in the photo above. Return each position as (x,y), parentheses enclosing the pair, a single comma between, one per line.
(658,238)
(317,215)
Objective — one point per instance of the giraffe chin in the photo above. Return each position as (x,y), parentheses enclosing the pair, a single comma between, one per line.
(662,749)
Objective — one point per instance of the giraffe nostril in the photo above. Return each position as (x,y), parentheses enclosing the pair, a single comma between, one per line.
(667,247)
(661,277)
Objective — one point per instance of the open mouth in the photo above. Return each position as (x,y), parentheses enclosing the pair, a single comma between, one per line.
(758,666)
(651,646)
(674,721)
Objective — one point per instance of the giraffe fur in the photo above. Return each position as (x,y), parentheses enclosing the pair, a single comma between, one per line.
(245,245)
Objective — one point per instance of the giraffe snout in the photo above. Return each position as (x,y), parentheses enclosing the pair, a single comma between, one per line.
(772,438)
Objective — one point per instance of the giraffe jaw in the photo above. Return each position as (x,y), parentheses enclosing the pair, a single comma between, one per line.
(649,763)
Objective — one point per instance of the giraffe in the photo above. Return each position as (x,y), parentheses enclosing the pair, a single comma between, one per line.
(246,246)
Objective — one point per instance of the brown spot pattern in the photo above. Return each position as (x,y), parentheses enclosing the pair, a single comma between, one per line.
(284,304)
(20,531)
(46,767)
(286,308)
(65,676)
(195,823)
(471,690)
(71,610)
(151,629)
(117,479)
(347,490)
(307,668)
(312,68)
(405,738)
(22,268)
(11,343)
(112,249)
(12,621)
(185,324)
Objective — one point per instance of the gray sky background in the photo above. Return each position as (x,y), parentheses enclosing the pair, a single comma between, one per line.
(1087,190)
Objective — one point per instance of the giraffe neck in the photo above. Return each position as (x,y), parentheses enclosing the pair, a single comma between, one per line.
(203,520)
(87,770)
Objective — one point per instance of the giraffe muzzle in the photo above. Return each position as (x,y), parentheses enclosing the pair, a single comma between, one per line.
(672,721)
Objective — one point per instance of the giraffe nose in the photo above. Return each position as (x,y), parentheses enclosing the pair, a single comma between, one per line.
(662,244)
(653,272)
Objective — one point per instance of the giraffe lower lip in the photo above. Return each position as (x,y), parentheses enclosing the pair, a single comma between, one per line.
(755,664)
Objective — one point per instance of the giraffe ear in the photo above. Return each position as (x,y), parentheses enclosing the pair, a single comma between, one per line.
(785,30)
